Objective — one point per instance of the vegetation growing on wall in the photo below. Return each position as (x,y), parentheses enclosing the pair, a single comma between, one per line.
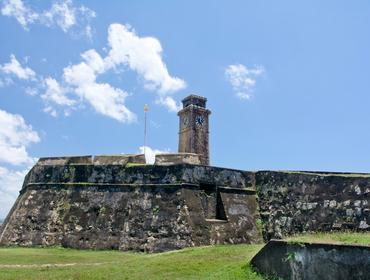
(348,238)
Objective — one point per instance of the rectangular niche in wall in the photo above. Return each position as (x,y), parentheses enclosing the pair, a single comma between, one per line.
(211,201)
(220,209)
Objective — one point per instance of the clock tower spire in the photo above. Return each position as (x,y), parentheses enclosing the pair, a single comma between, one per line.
(194,127)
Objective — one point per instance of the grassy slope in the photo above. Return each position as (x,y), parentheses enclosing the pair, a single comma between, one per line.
(218,262)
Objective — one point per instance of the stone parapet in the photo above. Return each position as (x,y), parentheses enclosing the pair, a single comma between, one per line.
(65,160)
(97,160)
(119,159)
(139,174)
(180,158)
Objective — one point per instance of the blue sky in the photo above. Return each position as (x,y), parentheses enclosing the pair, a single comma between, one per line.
(287,81)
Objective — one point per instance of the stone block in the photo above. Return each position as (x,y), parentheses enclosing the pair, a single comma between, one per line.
(310,261)
(181,158)
(114,159)
(65,160)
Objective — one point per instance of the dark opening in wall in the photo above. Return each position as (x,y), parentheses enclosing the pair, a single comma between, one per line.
(209,189)
(220,209)
(212,204)
(208,200)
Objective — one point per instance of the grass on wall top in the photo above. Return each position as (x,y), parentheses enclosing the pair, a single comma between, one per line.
(347,238)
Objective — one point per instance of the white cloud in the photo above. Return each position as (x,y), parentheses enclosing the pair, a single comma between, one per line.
(88,31)
(80,85)
(169,103)
(65,15)
(11,182)
(17,9)
(15,136)
(15,68)
(150,153)
(104,98)
(140,54)
(243,79)
(5,81)
(143,55)
(62,14)
(51,111)
(94,61)
(31,91)
(55,93)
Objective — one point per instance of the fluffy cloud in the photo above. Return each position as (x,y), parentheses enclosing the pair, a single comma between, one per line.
(142,55)
(169,103)
(10,184)
(127,50)
(5,81)
(51,111)
(62,14)
(15,68)
(15,136)
(104,98)
(55,93)
(150,153)
(243,79)
(17,9)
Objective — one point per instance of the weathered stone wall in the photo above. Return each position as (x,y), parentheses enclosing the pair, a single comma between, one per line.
(142,208)
(296,202)
(85,203)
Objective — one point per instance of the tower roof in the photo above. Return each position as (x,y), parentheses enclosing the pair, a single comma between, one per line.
(195,100)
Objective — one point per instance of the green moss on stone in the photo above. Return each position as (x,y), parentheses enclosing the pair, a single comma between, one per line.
(128,165)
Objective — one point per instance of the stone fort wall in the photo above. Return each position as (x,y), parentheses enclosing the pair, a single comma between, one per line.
(143,208)
(296,202)
(120,203)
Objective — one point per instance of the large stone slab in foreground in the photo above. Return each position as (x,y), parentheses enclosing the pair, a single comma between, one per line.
(313,261)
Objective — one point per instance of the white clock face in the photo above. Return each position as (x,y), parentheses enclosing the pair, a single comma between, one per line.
(199,120)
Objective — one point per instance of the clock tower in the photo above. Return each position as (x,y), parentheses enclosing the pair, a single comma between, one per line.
(194,127)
